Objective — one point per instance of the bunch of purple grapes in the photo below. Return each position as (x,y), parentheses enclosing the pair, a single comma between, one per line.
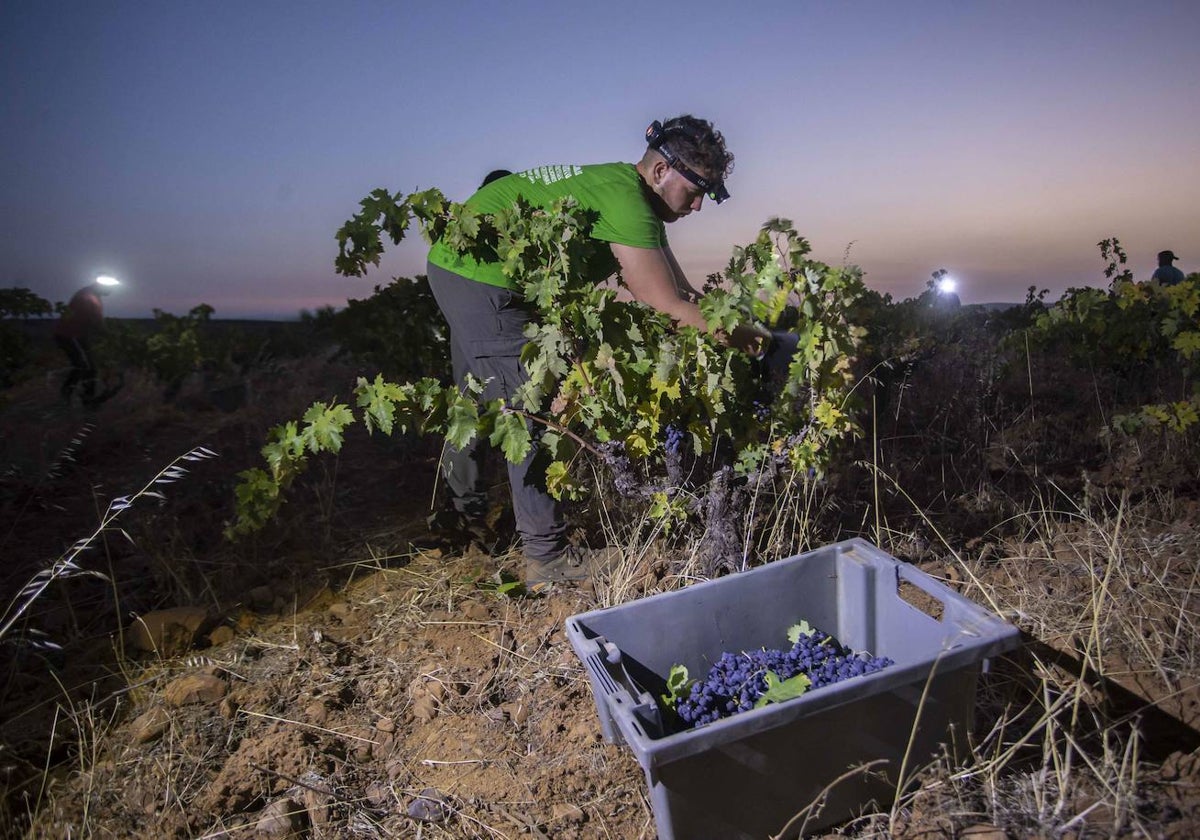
(736,680)
(673,439)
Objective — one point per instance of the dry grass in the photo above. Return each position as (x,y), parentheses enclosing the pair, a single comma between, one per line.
(1068,745)
(1079,720)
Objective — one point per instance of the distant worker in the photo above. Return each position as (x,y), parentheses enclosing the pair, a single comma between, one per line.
(80,322)
(1167,274)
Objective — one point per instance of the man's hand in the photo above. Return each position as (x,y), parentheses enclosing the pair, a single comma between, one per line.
(749,338)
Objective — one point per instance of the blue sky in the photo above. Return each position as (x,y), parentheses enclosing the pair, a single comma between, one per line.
(208,151)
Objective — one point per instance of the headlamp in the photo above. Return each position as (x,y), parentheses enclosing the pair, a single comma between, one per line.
(657,138)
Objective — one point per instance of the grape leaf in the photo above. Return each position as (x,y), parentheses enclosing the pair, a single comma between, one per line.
(1187,343)
(779,690)
(678,685)
(511,435)
(325,426)
(461,422)
(797,630)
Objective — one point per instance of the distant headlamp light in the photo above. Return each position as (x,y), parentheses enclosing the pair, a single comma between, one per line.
(657,138)
(105,280)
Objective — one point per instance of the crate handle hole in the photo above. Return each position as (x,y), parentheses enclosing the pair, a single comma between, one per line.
(920,600)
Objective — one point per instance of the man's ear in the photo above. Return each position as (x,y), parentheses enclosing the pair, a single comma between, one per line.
(659,170)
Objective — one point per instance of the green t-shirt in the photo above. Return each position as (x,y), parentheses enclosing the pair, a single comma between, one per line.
(614,190)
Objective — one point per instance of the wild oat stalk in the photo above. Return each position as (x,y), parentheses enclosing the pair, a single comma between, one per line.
(67,564)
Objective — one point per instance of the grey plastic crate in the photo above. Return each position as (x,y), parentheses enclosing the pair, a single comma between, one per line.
(748,775)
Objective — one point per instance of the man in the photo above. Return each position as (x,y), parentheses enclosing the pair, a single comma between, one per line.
(685,160)
(1167,274)
(80,321)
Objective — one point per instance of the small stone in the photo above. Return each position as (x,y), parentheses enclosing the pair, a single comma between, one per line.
(379,795)
(282,818)
(194,688)
(430,806)
(567,812)
(425,708)
(316,713)
(436,690)
(396,769)
(150,724)
(517,711)
(385,743)
(317,805)
(385,724)
(475,611)
(983,831)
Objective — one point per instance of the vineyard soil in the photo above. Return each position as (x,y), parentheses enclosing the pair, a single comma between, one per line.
(345,673)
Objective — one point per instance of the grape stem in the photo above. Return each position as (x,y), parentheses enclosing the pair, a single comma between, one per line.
(550,424)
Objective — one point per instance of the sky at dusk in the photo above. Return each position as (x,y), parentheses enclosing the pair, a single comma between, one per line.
(206,152)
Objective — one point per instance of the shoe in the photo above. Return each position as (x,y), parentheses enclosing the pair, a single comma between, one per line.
(575,565)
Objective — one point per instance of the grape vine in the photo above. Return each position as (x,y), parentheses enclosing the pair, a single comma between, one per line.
(1132,326)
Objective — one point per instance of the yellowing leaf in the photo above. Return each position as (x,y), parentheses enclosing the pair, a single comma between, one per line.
(637,446)
(827,413)
(1187,343)
(664,389)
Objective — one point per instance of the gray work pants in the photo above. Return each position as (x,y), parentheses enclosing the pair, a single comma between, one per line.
(487,332)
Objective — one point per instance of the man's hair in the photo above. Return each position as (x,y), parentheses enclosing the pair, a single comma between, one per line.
(700,145)
(494,175)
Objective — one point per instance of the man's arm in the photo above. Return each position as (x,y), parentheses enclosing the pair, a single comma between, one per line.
(651,279)
(685,289)
(650,275)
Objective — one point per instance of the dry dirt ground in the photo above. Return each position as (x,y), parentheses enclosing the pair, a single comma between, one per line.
(329,679)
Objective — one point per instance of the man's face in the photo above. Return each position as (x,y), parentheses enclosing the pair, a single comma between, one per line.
(678,196)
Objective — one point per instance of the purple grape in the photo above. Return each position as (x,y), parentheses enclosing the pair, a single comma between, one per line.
(736,681)
(673,439)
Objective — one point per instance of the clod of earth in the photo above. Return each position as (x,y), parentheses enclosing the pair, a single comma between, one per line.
(195,688)
(149,725)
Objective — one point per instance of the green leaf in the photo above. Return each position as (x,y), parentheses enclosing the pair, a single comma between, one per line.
(326,424)
(779,690)
(1187,343)
(560,484)
(797,630)
(678,686)
(379,400)
(462,421)
(511,435)
(719,310)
